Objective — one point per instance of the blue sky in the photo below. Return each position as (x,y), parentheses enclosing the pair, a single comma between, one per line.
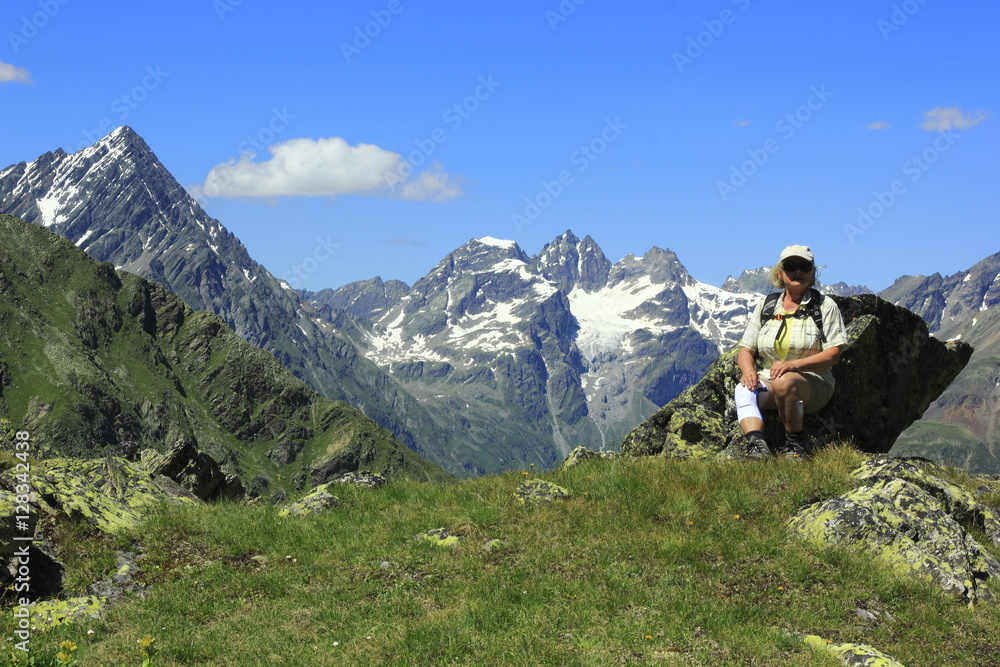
(379,136)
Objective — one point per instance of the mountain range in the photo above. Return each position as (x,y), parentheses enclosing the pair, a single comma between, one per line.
(96,362)
(495,359)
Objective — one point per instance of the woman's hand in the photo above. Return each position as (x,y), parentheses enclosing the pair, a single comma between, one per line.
(750,380)
(779,368)
(748,371)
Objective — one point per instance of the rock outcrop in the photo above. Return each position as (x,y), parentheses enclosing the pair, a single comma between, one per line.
(912,519)
(193,469)
(885,380)
(109,493)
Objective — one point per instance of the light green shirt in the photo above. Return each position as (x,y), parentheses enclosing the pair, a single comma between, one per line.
(803,336)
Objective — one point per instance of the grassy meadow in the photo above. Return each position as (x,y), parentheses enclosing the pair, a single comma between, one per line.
(651,561)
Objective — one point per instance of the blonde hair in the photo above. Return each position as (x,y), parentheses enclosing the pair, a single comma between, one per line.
(777,281)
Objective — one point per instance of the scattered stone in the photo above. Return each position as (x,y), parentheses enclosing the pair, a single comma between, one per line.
(851,654)
(121,582)
(441,537)
(316,500)
(581,454)
(362,478)
(539,491)
(866,615)
(109,493)
(492,545)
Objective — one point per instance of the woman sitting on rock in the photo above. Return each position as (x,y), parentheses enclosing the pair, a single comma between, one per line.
(797,334)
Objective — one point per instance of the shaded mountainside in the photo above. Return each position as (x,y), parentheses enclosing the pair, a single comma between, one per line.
(962,427)
(117,202)
(93,361)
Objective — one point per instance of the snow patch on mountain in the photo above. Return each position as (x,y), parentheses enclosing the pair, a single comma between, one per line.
(602,314)
(719,315)
(497,243)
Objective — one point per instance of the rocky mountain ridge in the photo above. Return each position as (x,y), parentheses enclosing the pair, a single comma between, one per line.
(963,426)
(116,201)
(96,362)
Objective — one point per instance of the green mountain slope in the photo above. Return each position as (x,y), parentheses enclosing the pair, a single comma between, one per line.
(93,361)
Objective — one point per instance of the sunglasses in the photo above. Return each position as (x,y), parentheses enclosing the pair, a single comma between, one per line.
(804,266)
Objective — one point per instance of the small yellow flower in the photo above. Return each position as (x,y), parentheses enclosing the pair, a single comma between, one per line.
(737,516)
(781,588)
(648,636)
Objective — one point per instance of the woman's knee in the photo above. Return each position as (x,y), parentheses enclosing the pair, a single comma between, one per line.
(790,384)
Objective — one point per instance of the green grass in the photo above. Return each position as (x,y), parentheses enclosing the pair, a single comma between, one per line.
(652,561)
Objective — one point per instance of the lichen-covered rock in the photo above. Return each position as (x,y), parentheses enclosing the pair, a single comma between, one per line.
(539,491)
(888,376)
(47,614)
(441,537)
(110,493)
(914,526)
(581,454)
(316,500)
(850,653)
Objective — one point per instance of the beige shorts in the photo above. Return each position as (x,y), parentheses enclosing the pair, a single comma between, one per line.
(820,391)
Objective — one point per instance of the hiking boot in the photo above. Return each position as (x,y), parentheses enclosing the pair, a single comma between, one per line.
(755,447)
(793,450)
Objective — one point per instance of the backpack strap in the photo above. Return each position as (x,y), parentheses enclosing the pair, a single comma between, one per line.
(770,303)
(815,312)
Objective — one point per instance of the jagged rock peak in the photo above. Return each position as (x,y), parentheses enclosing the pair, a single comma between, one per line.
(751,281)
(570,262)
(476,256)
(659,264)
(363,298)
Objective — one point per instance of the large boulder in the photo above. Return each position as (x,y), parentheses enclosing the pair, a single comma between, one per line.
(193,469)
(892,370)
(912,519)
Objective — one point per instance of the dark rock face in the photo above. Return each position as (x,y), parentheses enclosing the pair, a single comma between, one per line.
(885,380)
(365,299)
(194,470)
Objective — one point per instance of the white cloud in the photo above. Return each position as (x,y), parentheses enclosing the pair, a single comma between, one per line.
(9,73)
(327,168)
(411,243)
(741,123)
(878,125)
(945,118)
